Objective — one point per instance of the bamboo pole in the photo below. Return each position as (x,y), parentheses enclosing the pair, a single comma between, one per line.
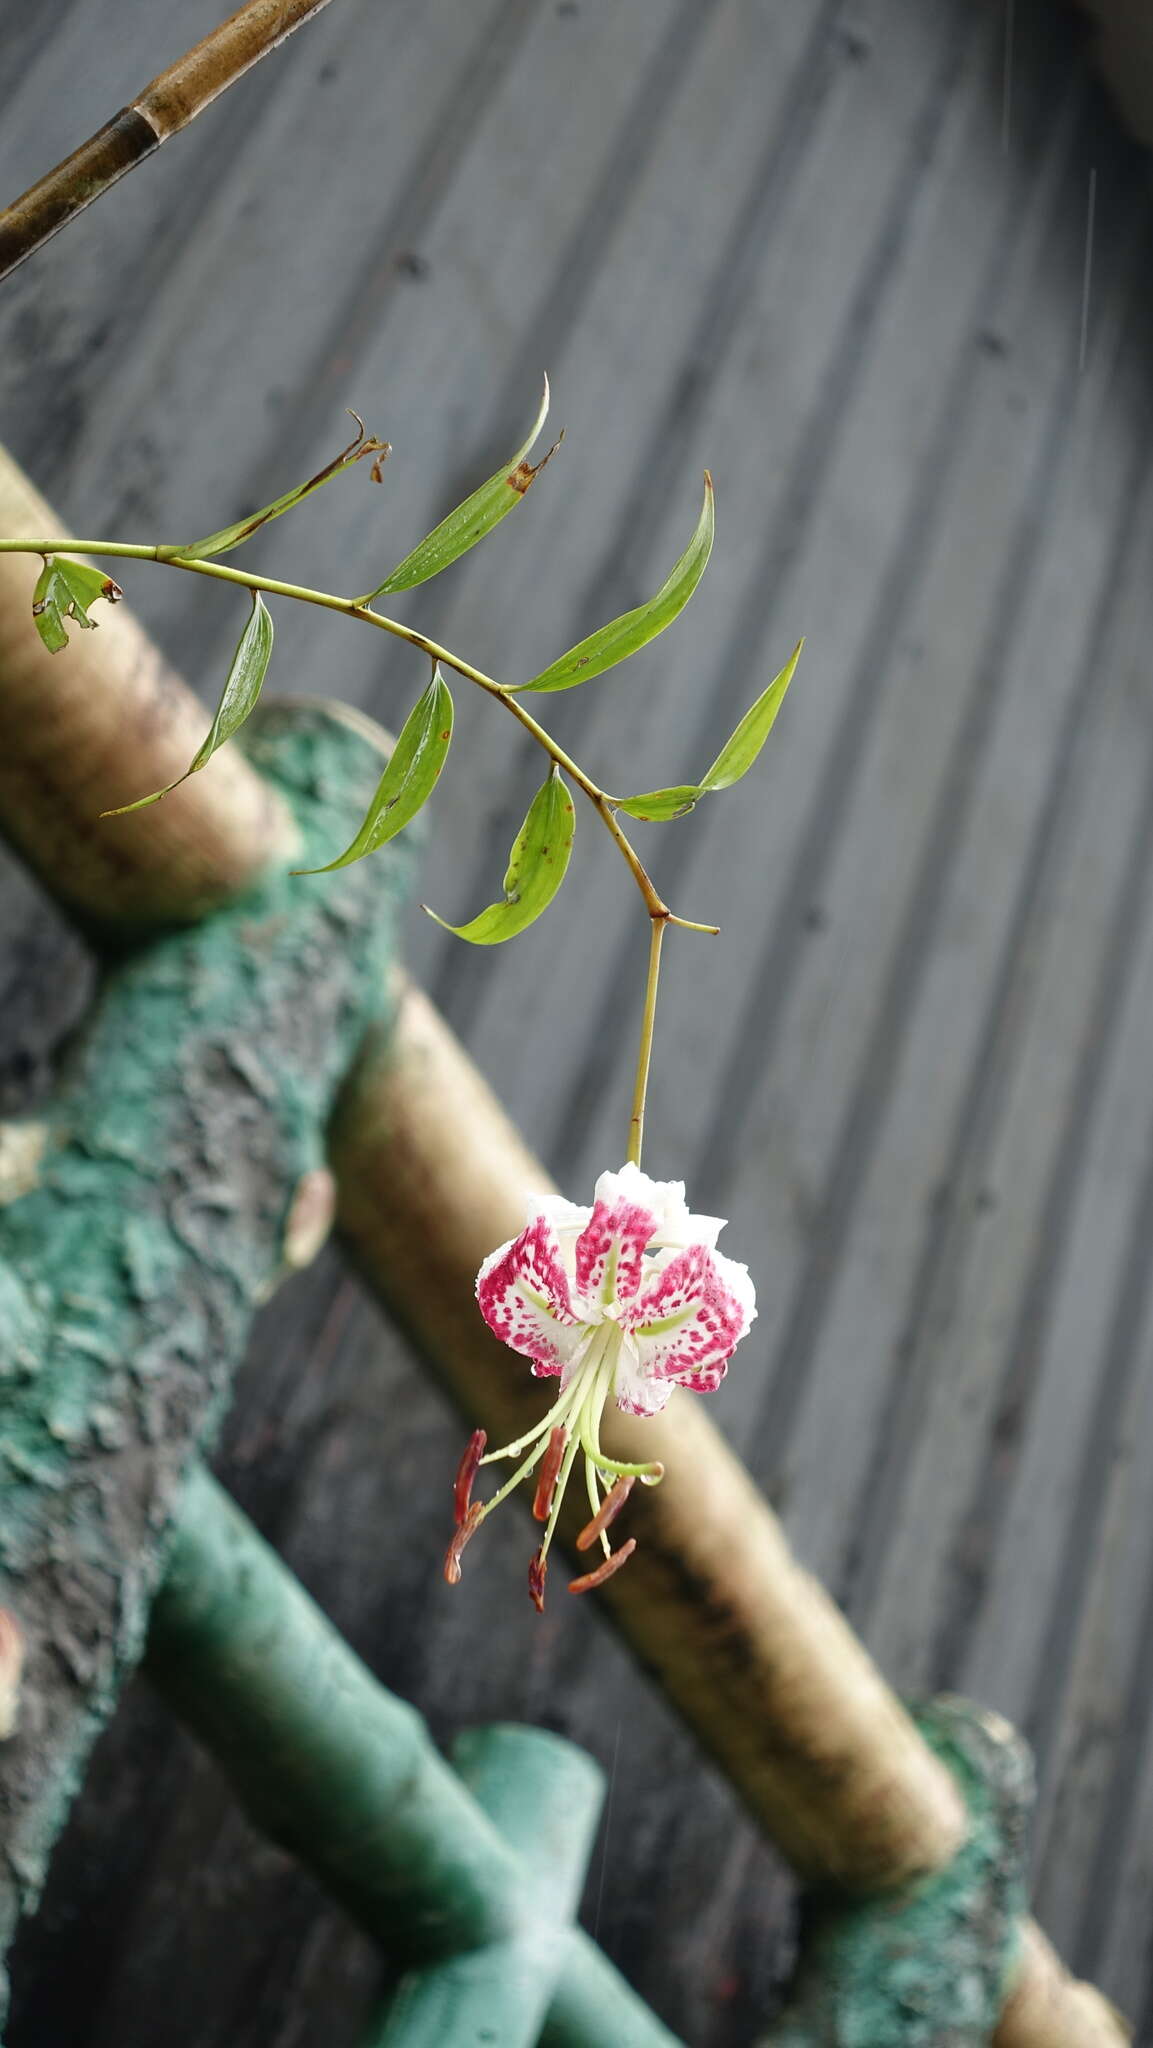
(165,106)
(736,1630)
(103,721)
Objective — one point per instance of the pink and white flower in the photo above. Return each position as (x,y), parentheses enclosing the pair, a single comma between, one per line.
(622,1301)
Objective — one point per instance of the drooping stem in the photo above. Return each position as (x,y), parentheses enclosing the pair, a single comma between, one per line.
(350,607)
(645,1049)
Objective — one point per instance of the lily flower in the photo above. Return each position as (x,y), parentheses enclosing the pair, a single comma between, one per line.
(622,1302)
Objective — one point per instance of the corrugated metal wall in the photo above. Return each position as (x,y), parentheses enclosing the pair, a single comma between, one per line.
(839,254)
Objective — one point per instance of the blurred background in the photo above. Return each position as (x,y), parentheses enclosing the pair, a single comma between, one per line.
(882,267)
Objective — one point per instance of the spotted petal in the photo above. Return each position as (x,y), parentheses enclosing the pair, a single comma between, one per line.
(676,1226)
(610,1250)
(524,1297)
(683,1327)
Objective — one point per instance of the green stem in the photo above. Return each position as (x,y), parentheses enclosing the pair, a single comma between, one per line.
(353,608)
(645,1050)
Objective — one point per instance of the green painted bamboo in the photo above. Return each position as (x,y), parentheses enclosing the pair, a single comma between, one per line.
(544,1797)
(345,1775)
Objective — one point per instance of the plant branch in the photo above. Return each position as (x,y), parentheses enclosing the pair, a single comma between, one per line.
(166,105)
(355,608)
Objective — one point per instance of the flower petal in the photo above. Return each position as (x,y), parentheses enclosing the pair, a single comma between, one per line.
(524,1297)
(685,1325)
(634,1390)
(675,1224)
(610,1250)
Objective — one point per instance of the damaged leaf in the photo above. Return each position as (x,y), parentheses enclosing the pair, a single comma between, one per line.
(230,537)
(65,590)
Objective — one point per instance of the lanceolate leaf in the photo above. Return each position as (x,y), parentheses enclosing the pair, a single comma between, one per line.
(230,537)
(733,761)
(536,869)
(471,520)
(241,690)
(662,804)
(410,778)
(741,751)
(633,630)
(64,590)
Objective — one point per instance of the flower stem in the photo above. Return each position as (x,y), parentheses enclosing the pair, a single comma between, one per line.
(645,1050)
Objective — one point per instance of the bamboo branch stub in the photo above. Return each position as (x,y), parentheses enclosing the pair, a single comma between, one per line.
(167,104)
(103,721)
(1047,2008)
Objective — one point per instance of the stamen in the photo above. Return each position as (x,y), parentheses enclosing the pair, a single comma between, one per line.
(466,1472)
(545,1486)
(608,1511)
(471,1523)
(605,1571)
(537,1573)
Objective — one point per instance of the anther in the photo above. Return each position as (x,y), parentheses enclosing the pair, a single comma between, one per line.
(466,1472)
(537,1573)
(473,1518)
(550,1468)
(608,1511)
(606,1570)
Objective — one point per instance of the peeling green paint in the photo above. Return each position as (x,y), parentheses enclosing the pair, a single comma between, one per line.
(194,1101)
(926,1966)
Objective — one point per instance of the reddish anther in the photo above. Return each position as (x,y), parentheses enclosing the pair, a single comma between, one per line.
(537,1573)
(550,1468)
(468,1527)
(608,1511)
(605,1571)
(466,1472)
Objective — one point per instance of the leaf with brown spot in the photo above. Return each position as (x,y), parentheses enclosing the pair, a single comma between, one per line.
(472,519)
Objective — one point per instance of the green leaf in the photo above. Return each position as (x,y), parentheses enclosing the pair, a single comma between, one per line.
(741,751)
(241,690)
(230,537)
(734,760)
(633,630)
(471,520)
(64,590)
(536,869)
(661,804)
(410,778)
